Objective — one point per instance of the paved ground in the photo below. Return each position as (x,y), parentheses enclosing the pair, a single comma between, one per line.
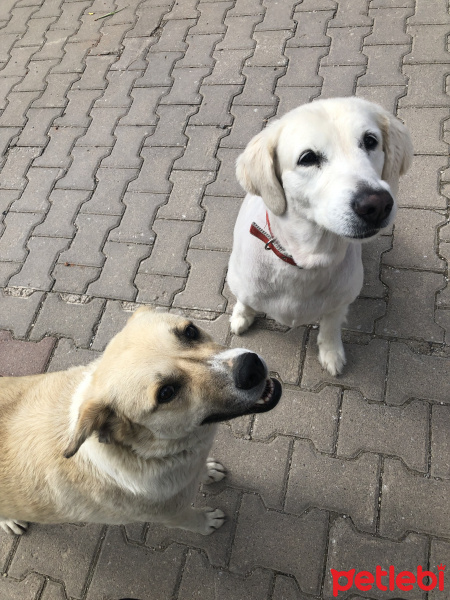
(118,139)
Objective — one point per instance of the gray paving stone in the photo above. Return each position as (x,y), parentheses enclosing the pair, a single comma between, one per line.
(351,13)
(216,546)
(439,555)
(217,232)
(246,7)
(35,196)
(286,349)
(92,231)
(74,55)
(388,26)
(339,80)
(17,311)
(117,92)
(429,44)
(350,549)
(187,192)
(311,29)
(363,313)
(286,588)
(127,148)
(308,415)
(212,15)
(58,84)
(54,591)
(43,253)
(77,111)
(214,583)
(18,104)
(414,245)
(155,170)
(411,502)
(385,95)
(248,121)
(170,247)
(346,45)
(440,443)
(67,355)
(113,320)
(53,48)
(228,67)
(52,541)
(410,311)
(184,10)
(19,57)
(70,15)
(132,57)
(16,232)
(199,51)
(111,40)
(7,270)
(268,51)
(365,369)
(432,12)
(378,58)
(173,35)
(121,265)
(201,148)
(205,281)
(27,589)
(135,226)
(242,459)
(186,84)
(89,29)
(159,67)
(71,316)
(425,126)
(7,198)
(171,125)
(291,97)
(38,123)
(57,152)
(239,32)
(372,253)
(50,8)
(94,76)
(371,427)
(149,18)
(342,486)
(64,207)
(6,85)
(101,126)
(142,110)
(259,529)
(7,42)
(17,163)
(215,107)
(81,173)
(426,86)
(412,375)
(157,289)
(303,66)
(225,183)
(73,279)
(109,191)
(419,188)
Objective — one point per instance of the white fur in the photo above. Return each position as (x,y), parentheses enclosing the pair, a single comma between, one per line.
(311,215)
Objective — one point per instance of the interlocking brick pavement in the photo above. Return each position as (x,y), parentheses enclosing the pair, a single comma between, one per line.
(118,142)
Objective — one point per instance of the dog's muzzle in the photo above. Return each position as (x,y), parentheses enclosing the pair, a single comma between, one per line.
(373,206)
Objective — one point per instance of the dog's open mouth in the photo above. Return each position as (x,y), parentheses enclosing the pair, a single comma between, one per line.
(268,400)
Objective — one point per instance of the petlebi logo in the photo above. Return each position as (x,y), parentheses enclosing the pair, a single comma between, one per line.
(389,580)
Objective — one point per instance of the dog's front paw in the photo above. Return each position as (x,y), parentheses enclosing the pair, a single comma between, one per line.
(241,319)
(14,526)
(333,360)
(214,518)
(214,471)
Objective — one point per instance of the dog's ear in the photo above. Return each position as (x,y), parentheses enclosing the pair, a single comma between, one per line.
(398,150)
(257,169)
(97,417)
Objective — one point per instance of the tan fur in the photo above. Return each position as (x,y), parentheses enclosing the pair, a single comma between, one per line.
(95,444)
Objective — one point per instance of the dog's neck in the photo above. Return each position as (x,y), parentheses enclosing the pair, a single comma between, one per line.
(310,246)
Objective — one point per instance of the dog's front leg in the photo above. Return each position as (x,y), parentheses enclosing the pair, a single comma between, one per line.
(331,350)
(199,520)
(242,317)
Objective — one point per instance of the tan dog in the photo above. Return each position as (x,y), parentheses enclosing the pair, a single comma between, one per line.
(126,438)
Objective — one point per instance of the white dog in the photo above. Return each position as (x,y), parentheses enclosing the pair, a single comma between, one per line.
(320,180)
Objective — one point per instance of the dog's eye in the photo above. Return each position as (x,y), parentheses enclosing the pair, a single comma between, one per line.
(166,393)
(191,332)
(370,142)
(309,159)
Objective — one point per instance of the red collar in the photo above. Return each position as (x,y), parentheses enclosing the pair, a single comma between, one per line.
(271,242)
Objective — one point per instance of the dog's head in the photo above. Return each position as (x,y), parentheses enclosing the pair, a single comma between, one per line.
(335,162)
(162,378)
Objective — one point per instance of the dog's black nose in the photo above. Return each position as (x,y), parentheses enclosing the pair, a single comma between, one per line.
(373,206)
(248,371)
